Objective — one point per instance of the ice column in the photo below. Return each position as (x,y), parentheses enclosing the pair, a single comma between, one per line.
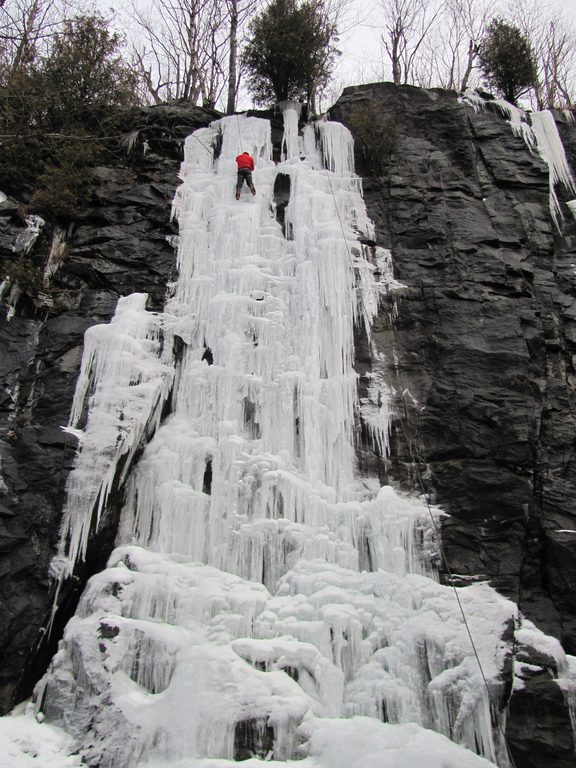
(291,114)
(552,152)
(122,384)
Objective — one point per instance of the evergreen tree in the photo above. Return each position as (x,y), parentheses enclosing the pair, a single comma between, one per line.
(507,60)
(290,52)
(51,113)
(84,75)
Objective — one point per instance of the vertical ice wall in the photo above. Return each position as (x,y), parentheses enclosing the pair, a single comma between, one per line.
(260,585)
(23,245)
(122,384)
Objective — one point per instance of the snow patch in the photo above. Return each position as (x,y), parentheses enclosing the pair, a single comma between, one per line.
(26,743)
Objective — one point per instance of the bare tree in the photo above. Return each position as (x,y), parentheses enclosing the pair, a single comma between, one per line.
(232,6)
(553,39)
(408,24)
(558,65)
(26,30)
(473,17)
(342,16)
(239,13)
(450,52)
(189,49)
(180,52)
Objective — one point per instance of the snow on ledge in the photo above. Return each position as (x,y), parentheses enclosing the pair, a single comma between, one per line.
(26,743)
(360,742)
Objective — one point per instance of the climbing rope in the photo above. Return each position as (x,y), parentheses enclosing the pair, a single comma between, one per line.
(338,214)
(416,460)
(437,534)
(239,133)
(206,147)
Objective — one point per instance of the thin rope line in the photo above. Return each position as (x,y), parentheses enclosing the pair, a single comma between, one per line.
(239,134)
(206,147)
(338,213)
(413,457)
(434,525)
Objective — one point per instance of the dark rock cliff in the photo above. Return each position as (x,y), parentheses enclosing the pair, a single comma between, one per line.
(482,356)
(120,245)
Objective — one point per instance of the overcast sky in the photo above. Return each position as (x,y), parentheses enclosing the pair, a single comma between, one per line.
(361,60)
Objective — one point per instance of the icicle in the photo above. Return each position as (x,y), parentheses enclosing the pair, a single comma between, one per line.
(337,147)
(473,100)
(539,132)
(22,245)
(4,286)
(57,251)
(14,294)
(549,145)
(26,239)
(291,114)
(129,140)
(516,117)
(128,382)
(518,121)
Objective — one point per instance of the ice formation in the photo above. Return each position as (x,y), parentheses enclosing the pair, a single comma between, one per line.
(122,384)
(23,244)
(264,600)
(551,150)
(540,134)
(26,239)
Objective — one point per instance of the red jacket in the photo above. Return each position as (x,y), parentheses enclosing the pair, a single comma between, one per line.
(245,161)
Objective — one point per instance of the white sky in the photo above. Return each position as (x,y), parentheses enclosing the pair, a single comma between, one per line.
(361,59)
(361,48)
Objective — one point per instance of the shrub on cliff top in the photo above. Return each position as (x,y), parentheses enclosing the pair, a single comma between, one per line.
(290,53)
(51,113)
(376,136)
(84,75)
(507,60)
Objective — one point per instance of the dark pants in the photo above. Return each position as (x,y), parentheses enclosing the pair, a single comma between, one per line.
(244,175)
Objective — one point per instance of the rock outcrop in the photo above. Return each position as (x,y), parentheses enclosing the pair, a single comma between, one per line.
(481,356)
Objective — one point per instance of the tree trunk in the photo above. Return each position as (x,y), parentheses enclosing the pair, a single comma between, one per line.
(395,53)
(472,51)
(232,64)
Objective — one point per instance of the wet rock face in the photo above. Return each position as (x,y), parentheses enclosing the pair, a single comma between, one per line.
(482,359)
(122,245)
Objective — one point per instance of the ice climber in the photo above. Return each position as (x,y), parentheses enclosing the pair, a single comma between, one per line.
(245,165)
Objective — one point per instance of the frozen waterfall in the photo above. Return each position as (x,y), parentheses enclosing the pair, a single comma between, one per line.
(265,601)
